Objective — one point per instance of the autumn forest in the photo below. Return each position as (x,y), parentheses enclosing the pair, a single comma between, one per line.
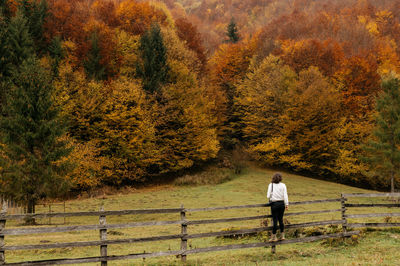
(118,92)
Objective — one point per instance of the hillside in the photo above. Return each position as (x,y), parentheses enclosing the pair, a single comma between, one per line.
(248,188)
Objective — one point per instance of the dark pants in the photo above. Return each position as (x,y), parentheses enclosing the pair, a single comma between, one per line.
(277,210)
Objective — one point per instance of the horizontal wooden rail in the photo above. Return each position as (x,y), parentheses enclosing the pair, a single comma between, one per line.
(187,252)
(269,244)
(389,205)
(311,212)
(92,213)
(357,225)
(372,215)
(212,221)
(370,195)
(98,259)
(159,238)
(314,201)
(258,205)
(91,243)
(259,229)
(26,231)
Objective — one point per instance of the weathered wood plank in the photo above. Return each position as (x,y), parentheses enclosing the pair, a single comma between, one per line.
(268,244)
(97,259)
(178,252)
(26,231)
(372,205)
(312,212)
(370,195)
(259,229)
(2,225)
(314,201)
(257,205)
(372,215)
(92,243)
(183,232)
(227,207)
(358,225)
(90,213)
(103,237)
(227,220)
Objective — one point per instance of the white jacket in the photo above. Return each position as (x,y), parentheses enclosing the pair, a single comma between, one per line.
(278,193)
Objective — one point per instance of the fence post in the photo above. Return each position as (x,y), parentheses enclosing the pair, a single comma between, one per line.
(103,237)
(344,219)
(2,225)
(184,233)
(273,248)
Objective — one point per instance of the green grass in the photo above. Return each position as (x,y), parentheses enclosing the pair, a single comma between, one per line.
(374,247)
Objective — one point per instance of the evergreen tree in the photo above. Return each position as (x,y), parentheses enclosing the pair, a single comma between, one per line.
(232,32)
(33,155)
(20,44)
(36,13)
(153,69)
(56,52)
(5,10)
(384,150)
(93,67)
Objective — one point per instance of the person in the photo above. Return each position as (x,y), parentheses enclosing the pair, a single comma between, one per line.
(277,195)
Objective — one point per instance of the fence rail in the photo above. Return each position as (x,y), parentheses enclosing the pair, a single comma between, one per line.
(346,206)
(185,234)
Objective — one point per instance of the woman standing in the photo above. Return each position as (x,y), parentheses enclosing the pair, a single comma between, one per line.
(277,195)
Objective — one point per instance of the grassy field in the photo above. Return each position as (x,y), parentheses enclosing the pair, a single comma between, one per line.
(373,247)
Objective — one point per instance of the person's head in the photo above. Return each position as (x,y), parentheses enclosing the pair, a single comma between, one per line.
(276,178)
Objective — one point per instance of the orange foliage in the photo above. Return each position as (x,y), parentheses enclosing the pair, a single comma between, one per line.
(302,54)
(359,83)
(188,33)
(136,17)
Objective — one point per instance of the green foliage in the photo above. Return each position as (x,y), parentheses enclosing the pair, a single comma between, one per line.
(153,68)
(20,43)
(32,151)
(383,150)
(36,13)
(56,53)
(93,67)
(232,32)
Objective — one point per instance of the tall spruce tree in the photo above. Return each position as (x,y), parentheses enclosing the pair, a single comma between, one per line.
(33,156)
(153,68)
(56,53)
(20,44)
(93,67)
(35,13)
(384,151)
(232,32)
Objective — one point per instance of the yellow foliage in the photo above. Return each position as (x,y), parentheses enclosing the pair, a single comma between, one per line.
(127,48)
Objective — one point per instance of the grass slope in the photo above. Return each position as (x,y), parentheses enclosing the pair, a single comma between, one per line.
(375,247)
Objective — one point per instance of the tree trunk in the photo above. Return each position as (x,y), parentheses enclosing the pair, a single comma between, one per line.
(31,209)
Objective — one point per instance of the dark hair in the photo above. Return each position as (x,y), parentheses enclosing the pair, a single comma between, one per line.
(276,178)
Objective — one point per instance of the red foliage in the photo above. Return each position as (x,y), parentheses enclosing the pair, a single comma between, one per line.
(188,33)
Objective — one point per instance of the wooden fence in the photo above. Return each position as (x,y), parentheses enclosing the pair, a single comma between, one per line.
(183,237)
(393,197)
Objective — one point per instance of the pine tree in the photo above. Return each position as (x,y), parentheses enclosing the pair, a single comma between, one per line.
(93,67)
(153,69)
(36,13)
(5,10)
(56,52)
(384,150)
(32,153)
(20,44)
(232,32)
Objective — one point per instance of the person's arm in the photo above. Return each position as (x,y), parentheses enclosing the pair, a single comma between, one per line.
(286,198)
(269,191)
